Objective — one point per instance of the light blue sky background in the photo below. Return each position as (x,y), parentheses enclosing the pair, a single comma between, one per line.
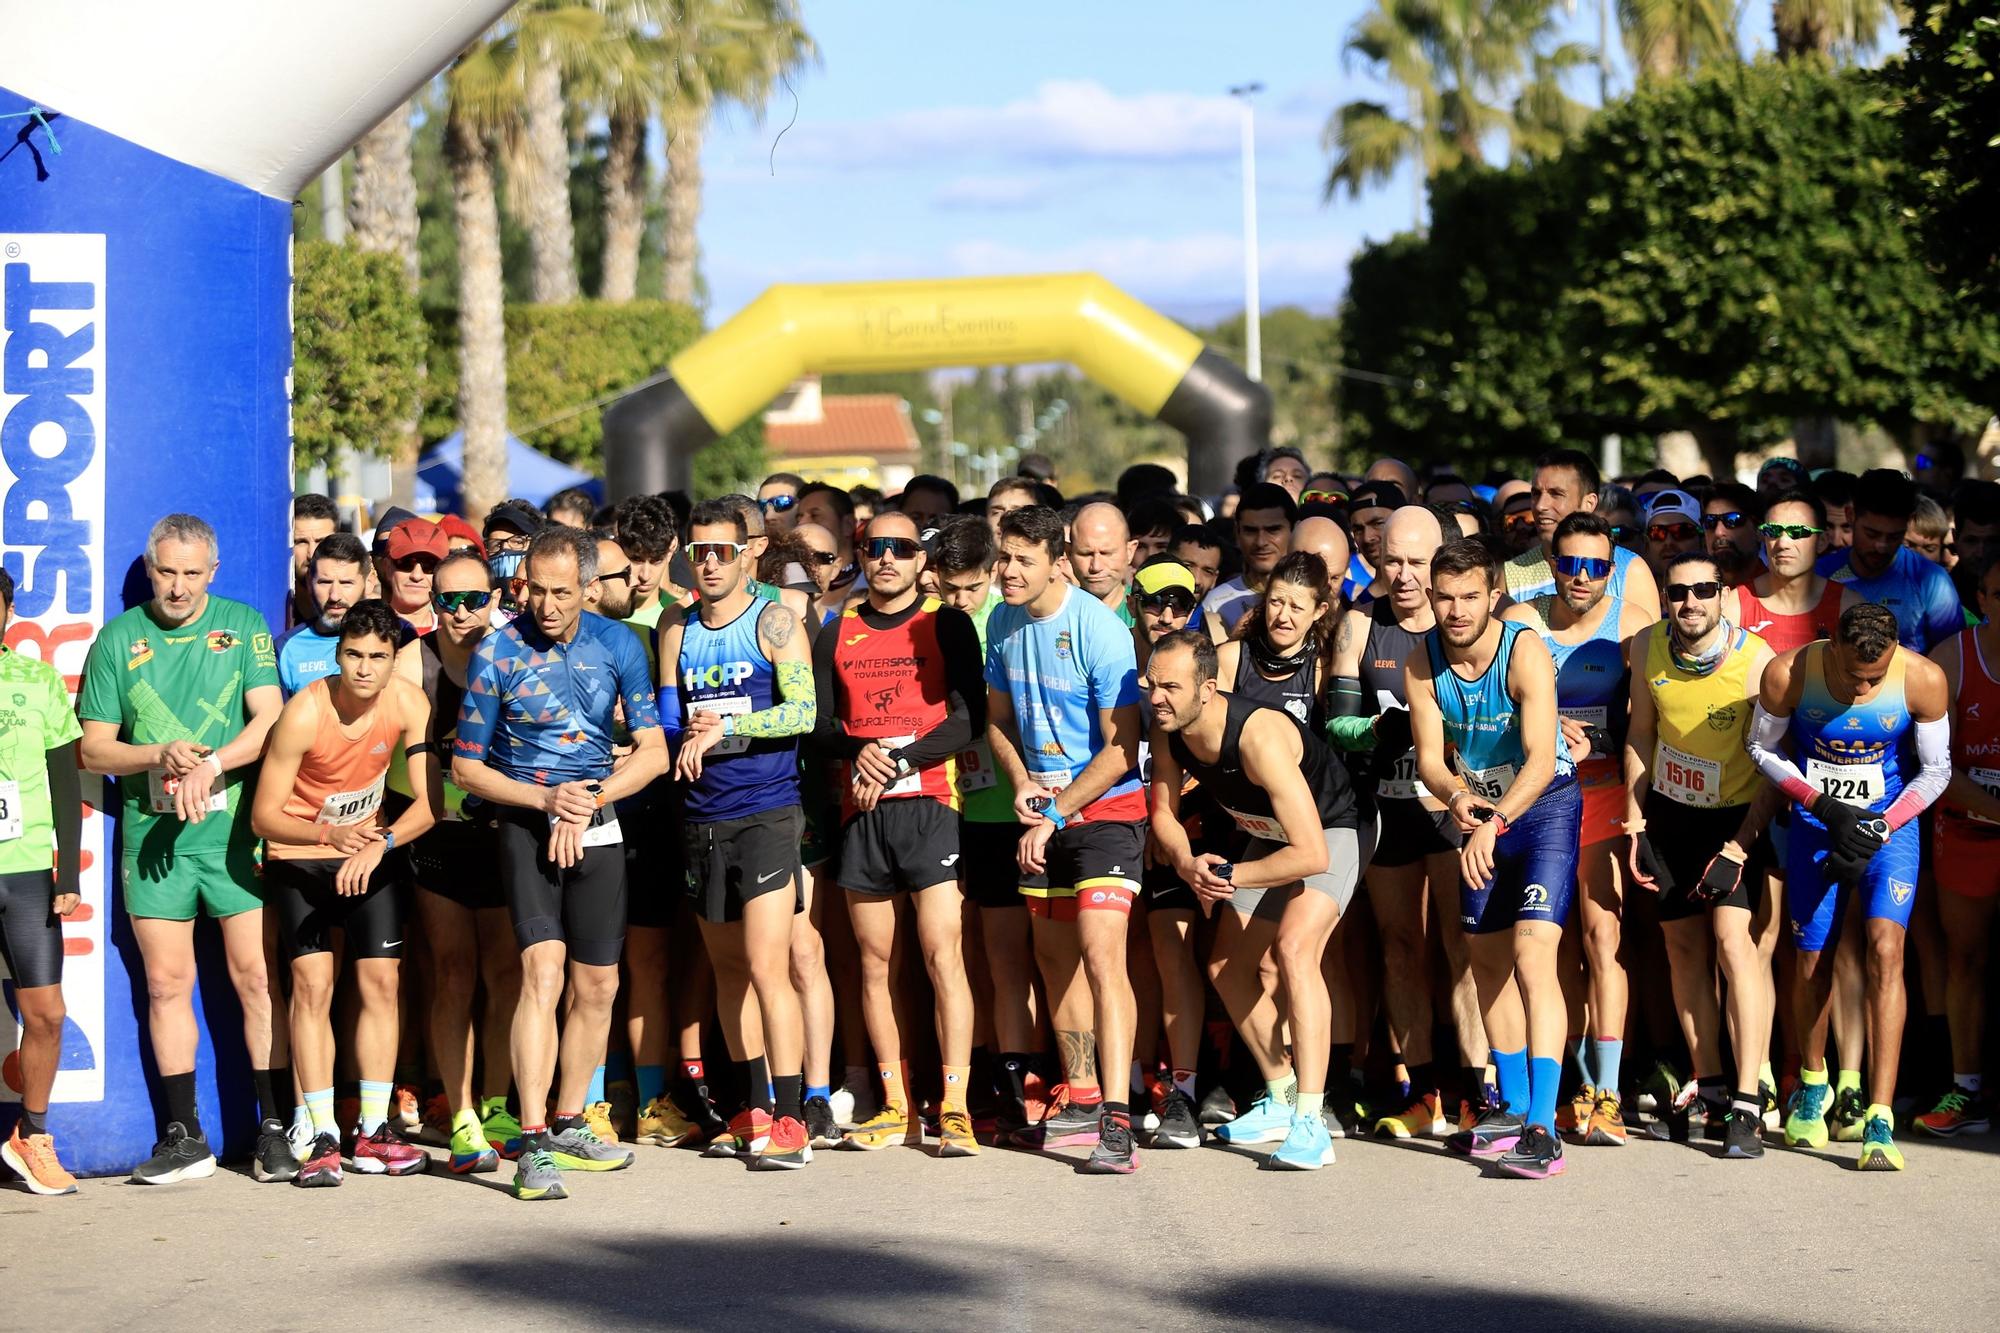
(943,137)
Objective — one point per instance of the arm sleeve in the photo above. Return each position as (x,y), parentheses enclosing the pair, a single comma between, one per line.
(66,803)
(667,703)
(1351,734)
(1347,698)
(1767,735)
(793,716)
(1934,754)
(828,736)
(958,641)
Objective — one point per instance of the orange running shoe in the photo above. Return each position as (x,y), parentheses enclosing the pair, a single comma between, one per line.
(1573,1116)
(787,1148)
(406,1108)
(1423,1118)
(1040,1098)
(437,1118)
(1607,1123)
(34,1161)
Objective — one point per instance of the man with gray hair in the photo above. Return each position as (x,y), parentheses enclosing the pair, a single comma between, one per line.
(177,697)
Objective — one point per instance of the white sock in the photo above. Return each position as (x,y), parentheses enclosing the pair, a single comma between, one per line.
(1970,1082)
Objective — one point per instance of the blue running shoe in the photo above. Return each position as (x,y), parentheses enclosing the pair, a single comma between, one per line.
(1878,1146)
(1805,1118)
(1307,1146)
(1266,1121)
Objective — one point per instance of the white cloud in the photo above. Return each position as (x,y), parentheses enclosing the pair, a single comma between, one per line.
(994,194)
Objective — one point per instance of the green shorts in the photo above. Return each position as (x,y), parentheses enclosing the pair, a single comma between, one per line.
(169,888)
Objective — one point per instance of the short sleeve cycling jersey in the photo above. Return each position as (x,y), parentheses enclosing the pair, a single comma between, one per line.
(543,712)
(35,718)
(1918,592)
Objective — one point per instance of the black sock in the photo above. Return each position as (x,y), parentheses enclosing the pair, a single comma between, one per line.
(274,1092)
(1120,1112)
(756,1083)
(791,1096)
(179,1092)
(1748,1103)
(1339,1061)
(1475,1082)
(1423,1079)
(1010,1075)
(1713,1091)
(33,1122)
(559,1123)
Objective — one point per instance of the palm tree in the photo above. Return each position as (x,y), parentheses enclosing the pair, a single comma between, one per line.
(1831,28)
(1669,38)
(480,99)
(382,216)
(723,50)
(1456,63)
(633,75)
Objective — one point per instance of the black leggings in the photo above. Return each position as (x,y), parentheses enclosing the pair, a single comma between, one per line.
(30,935)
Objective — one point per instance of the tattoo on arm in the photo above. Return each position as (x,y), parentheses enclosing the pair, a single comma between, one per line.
(1079,1056)
(1343,639)
(776,623)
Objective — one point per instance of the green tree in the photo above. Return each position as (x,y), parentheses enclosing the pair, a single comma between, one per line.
(357,348)
(1668,38)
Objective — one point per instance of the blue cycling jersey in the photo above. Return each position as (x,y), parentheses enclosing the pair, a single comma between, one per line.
(541,711)
(1918,592)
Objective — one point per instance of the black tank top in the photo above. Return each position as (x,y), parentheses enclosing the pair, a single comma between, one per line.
(445,697)
(1249,803)
(1297,695)
(1383,657)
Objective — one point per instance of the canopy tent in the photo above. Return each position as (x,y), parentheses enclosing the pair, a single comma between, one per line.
(530,475)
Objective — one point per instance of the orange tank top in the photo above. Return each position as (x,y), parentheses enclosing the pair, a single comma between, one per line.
(342,774)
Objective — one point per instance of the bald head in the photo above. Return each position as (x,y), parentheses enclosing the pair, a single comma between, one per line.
(1409,542)
(1507,490)
(1323,537)
(1396,470)
(1100,551)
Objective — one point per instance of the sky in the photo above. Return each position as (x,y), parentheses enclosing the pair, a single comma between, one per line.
(944,138)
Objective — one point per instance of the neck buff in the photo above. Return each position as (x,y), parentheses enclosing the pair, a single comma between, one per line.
(1708,661)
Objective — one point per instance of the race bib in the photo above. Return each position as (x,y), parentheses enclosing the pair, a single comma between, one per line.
(913,785)
(351,807)
(1986,779)
(733,705)
(1856,784)
(975,770)
(602,831)
(1266,827)
(162,788)
(1599,716)
(1687,779)
(11,819)
(1401,782)
(1488,783)
(1051,780)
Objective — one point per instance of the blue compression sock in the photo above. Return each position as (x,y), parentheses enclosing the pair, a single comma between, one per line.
(1511,1068)
(1605,1054)
(652,1083)
(1542,1076)
(596,1093)
(819,1090)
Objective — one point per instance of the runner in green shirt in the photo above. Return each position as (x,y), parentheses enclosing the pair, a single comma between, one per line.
(40,815)
(178,695)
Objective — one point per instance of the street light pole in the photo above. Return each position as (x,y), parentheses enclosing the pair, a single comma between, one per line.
(1253,337)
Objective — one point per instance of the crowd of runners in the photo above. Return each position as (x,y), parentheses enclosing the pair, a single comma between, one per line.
(764,825)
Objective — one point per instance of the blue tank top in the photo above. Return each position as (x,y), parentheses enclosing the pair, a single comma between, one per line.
(1590,676)
(1480,723)
(1851,752)
(725,671)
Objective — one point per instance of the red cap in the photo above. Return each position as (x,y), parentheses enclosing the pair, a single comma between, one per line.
(416,536)
(456,529)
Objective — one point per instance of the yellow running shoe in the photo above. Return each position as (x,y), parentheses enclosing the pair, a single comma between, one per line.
(662,1124)
(1607,1123)
(1878,1147)
(34,1161)
(1573,1116)
(888,1127)
(955,1136)
(597,1116)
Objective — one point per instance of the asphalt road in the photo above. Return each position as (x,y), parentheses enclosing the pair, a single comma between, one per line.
(1400,1236)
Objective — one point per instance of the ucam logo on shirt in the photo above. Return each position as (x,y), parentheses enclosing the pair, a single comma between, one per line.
(51,522)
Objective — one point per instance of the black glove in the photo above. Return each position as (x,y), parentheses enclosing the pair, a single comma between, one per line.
(1648,863)
(1392,733)
(1844,870)
(1722,878)
(1854,831)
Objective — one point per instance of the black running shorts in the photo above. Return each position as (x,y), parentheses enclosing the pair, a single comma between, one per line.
(30,934)
(732,861)
(904,845)
(582,907)
(1686,840)
(990,859)
(655,876)
(1095,857)
(1409,833)
(459,861)
(310,908)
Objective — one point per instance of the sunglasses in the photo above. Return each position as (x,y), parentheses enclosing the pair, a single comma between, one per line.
(1732,520)
(1620,531)
(1177,600)
(451,603)
(1672,532)
(823,557)
(700,553)
(903,548)
(779,504)
(1701,592)
(1324,497)
(1583,566)
(410,563)
(1798,532)
(1524,519)
(607,576)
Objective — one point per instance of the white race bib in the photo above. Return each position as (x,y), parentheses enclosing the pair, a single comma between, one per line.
(1987,779)
(11,819)
(1051,780)
(1401,782)
(352,807)
(1599,716)
(1687,779)
(602,831)
(1489,783)
(975,770)
(161,789)
(913,785)
(1856,784)
(1258,826)
(734,705)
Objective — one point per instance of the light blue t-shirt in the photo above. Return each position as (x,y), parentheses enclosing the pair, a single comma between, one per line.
(1918,592)
(304,656)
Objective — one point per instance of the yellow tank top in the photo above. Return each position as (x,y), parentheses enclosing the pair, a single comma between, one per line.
(1699,755)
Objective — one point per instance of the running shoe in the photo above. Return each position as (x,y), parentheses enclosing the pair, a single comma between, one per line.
(178,1156)
(536,1175)
(662,1124)
(301,1136)
(34,1161)
(1744,1135)
(1423,1118)
(406,1108)
(1849,1116)
(1957,1112)
(1180,1126)
(822,1126)
(1805,1117)
(1878,1146)
(1768,1095)
(386,1152)
(1307,1147)
(578,1148)
(786,1148)
(500,1127)
(1070,1123)
(1573,1116)
(321,1169)
(1606,1128)
(1496,1132)
(437,1119)
(1266,1121)
(889,1127)
(622,1096)
(274,1161)
(955,1136)
(1536,1155)
(602,1123)
(1218,1107)
(842,1104)
(1114,1154)
(745,1135)
(471,1154)
(1039,1097)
